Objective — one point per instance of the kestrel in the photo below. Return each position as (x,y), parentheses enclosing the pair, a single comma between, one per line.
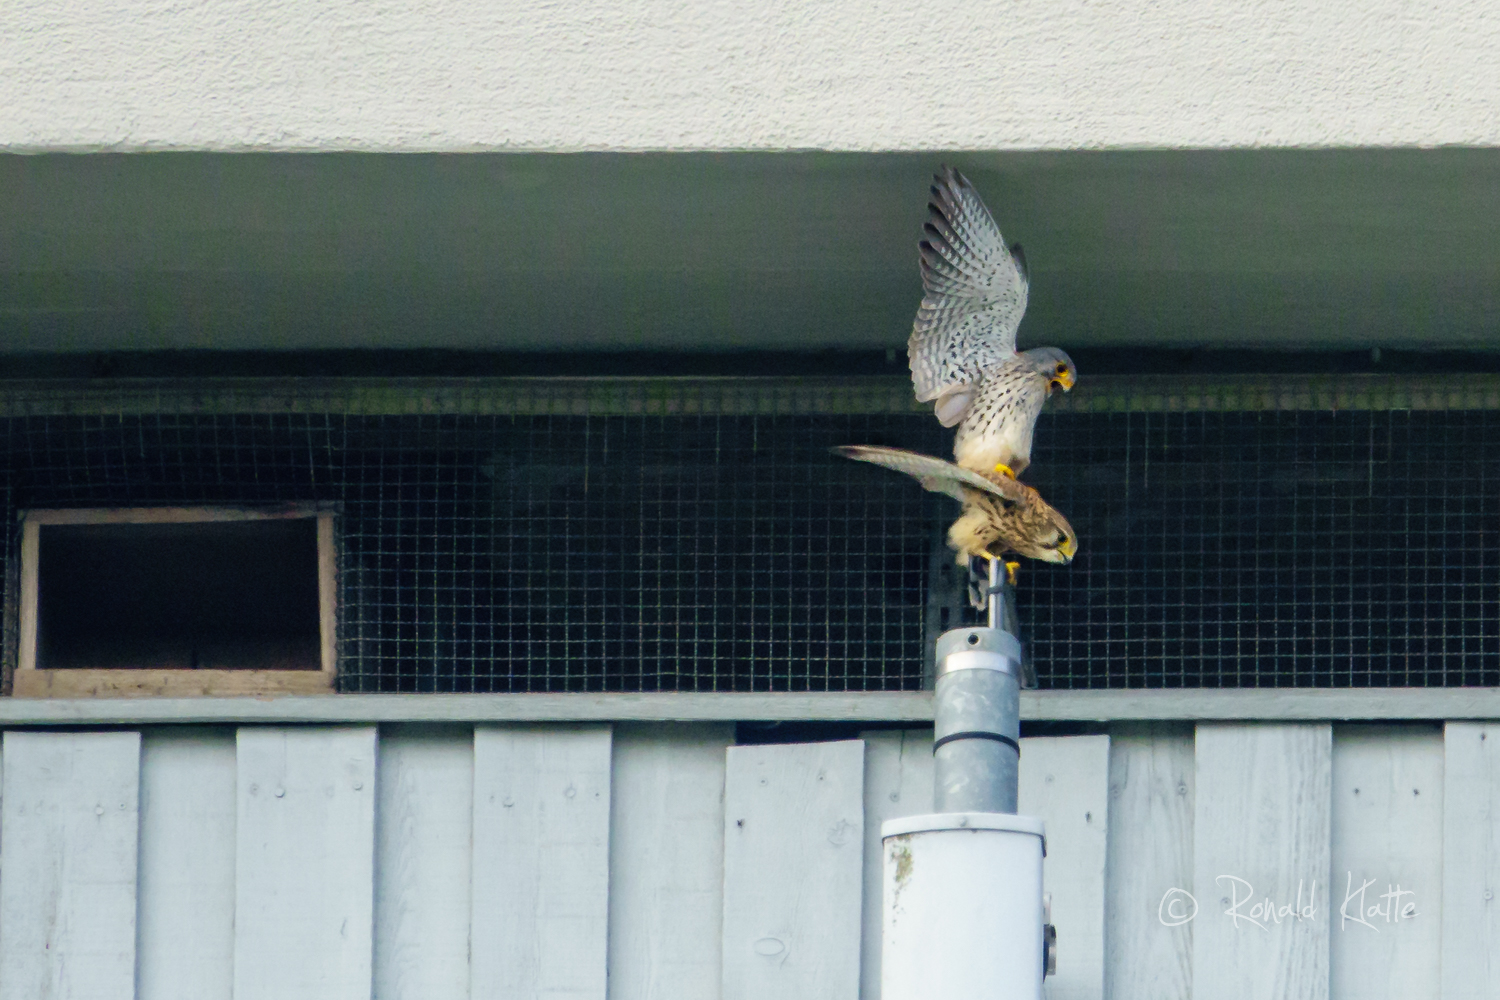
(1000,515)
(963,343)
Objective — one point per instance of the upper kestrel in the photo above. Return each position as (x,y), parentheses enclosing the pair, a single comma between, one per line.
(963,343)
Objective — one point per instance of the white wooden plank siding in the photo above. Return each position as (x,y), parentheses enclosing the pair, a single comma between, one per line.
(1261,815)
(68,833)
(666,862)
(541,862)
(1471,861)
(1148,951)
(898,782)
(304,863)
(186,909)
(1387,833)
(1065,783)
(793,861)
(424,831)
(567,861)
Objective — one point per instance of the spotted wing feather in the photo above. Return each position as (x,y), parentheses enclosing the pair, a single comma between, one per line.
(975,293)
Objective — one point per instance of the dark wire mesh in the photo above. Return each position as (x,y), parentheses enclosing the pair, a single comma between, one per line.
(10,574)
(677,546)
(538,553)
(1235,549)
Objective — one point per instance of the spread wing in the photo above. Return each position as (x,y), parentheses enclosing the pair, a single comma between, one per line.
(975,295)
(933,473)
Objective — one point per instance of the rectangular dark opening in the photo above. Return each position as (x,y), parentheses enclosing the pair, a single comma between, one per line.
(227,595)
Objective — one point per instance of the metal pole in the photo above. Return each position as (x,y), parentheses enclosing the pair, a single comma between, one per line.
(996,603)
(963,911)
(977,713)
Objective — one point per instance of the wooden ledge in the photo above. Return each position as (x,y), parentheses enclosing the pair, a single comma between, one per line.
(133,683)
(1367,704)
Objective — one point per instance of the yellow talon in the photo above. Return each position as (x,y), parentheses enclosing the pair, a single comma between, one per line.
(1010,571)
(1005,470)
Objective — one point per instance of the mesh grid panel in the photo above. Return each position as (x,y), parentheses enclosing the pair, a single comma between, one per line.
(541,537)
(1284,548)
(539,553)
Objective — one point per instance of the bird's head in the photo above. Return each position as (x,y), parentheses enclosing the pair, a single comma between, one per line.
(1044,534)
(1062,546)
(1054,365)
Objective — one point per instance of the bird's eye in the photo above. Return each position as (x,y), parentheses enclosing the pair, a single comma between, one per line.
(1062,369)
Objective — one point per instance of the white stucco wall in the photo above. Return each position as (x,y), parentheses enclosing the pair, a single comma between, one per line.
(667,74)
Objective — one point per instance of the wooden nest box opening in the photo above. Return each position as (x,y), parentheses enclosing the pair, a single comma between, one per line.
(176,601)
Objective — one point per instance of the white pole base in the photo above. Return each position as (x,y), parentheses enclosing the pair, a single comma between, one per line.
(962,907)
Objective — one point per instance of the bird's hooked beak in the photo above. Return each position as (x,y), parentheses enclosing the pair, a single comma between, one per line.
(1068,548)
(1062,378)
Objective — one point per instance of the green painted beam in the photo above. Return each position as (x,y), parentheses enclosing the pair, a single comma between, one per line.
(548,252)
